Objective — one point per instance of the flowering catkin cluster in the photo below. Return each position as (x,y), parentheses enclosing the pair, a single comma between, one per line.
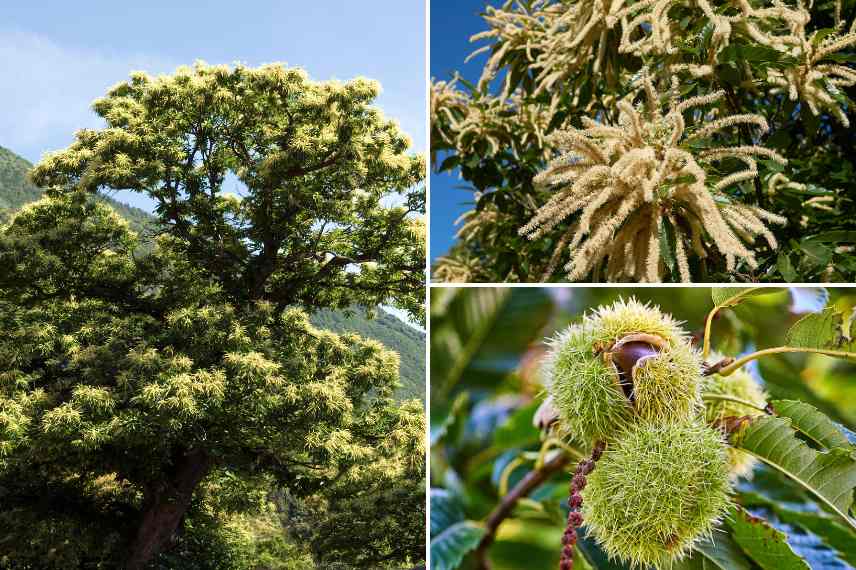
(462,121)
(816,79)
(558,40)
(626,180)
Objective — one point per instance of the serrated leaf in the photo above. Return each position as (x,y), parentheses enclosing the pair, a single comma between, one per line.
(836,536)
(811,422)
(450,546)
(724,297)
(830,476)
(764,544)
(823,330)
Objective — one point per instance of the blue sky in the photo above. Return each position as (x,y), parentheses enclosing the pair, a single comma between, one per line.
(452,24)
(57,56)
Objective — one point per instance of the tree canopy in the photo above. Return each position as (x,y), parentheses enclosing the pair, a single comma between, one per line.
(149,394)
(311,163)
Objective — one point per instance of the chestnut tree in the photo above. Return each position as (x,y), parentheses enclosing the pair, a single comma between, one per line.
(137,372)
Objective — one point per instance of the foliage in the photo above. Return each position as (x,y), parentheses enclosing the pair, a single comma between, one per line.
(374,517)
(633,192)
(16,190)
(315,159)
(408,342)
(795,507)
(395,335)
(149,402)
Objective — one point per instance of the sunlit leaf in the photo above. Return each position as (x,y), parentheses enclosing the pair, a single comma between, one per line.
(811,422)
(764,544)
(830,476)
(724,297)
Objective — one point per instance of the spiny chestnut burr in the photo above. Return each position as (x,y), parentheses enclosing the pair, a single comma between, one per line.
(656,491)
(626,363)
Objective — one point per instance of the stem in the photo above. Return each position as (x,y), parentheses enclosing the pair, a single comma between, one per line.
(502,511)
(551,442)
(707,324)
(723,398)
(781,350)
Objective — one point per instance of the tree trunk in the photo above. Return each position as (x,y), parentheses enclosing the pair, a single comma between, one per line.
(165,508)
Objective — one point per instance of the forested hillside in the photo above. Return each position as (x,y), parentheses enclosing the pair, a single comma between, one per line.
(16,190)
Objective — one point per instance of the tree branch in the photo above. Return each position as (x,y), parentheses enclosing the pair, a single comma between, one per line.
(526,485)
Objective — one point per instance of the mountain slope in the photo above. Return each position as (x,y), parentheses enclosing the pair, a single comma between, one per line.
(16,190)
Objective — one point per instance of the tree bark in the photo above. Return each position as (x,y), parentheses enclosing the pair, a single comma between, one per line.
(165,508)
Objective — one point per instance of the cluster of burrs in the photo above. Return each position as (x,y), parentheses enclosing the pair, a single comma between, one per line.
(627,382)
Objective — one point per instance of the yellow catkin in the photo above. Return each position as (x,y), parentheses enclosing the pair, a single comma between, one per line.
(620,180)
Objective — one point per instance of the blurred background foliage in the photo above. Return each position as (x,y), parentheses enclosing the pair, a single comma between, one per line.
(486,344)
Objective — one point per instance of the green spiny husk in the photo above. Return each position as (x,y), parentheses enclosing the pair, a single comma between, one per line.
(741,385)
(656,490)
(584,383)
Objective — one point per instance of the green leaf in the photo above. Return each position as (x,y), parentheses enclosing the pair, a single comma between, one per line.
(724,297)
(816,252)
(830,476)
(811,422)
(450,546)
(837,236)
(838,537)
(832,534)
(595,555)
(484,331)
(823,330)
(667,245)
(719,552)
(452,424)
(446,510)
(763,543)
(786,268)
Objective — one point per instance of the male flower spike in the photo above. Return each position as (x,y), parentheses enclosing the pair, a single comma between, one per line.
(626,180)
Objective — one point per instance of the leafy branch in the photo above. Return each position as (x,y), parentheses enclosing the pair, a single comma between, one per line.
(503,510)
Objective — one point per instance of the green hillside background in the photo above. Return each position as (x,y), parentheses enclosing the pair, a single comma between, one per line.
(16,190)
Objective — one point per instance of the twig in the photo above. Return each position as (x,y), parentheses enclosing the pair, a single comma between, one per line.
(725,371)
(526,485)
(710,370)
(725,398)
